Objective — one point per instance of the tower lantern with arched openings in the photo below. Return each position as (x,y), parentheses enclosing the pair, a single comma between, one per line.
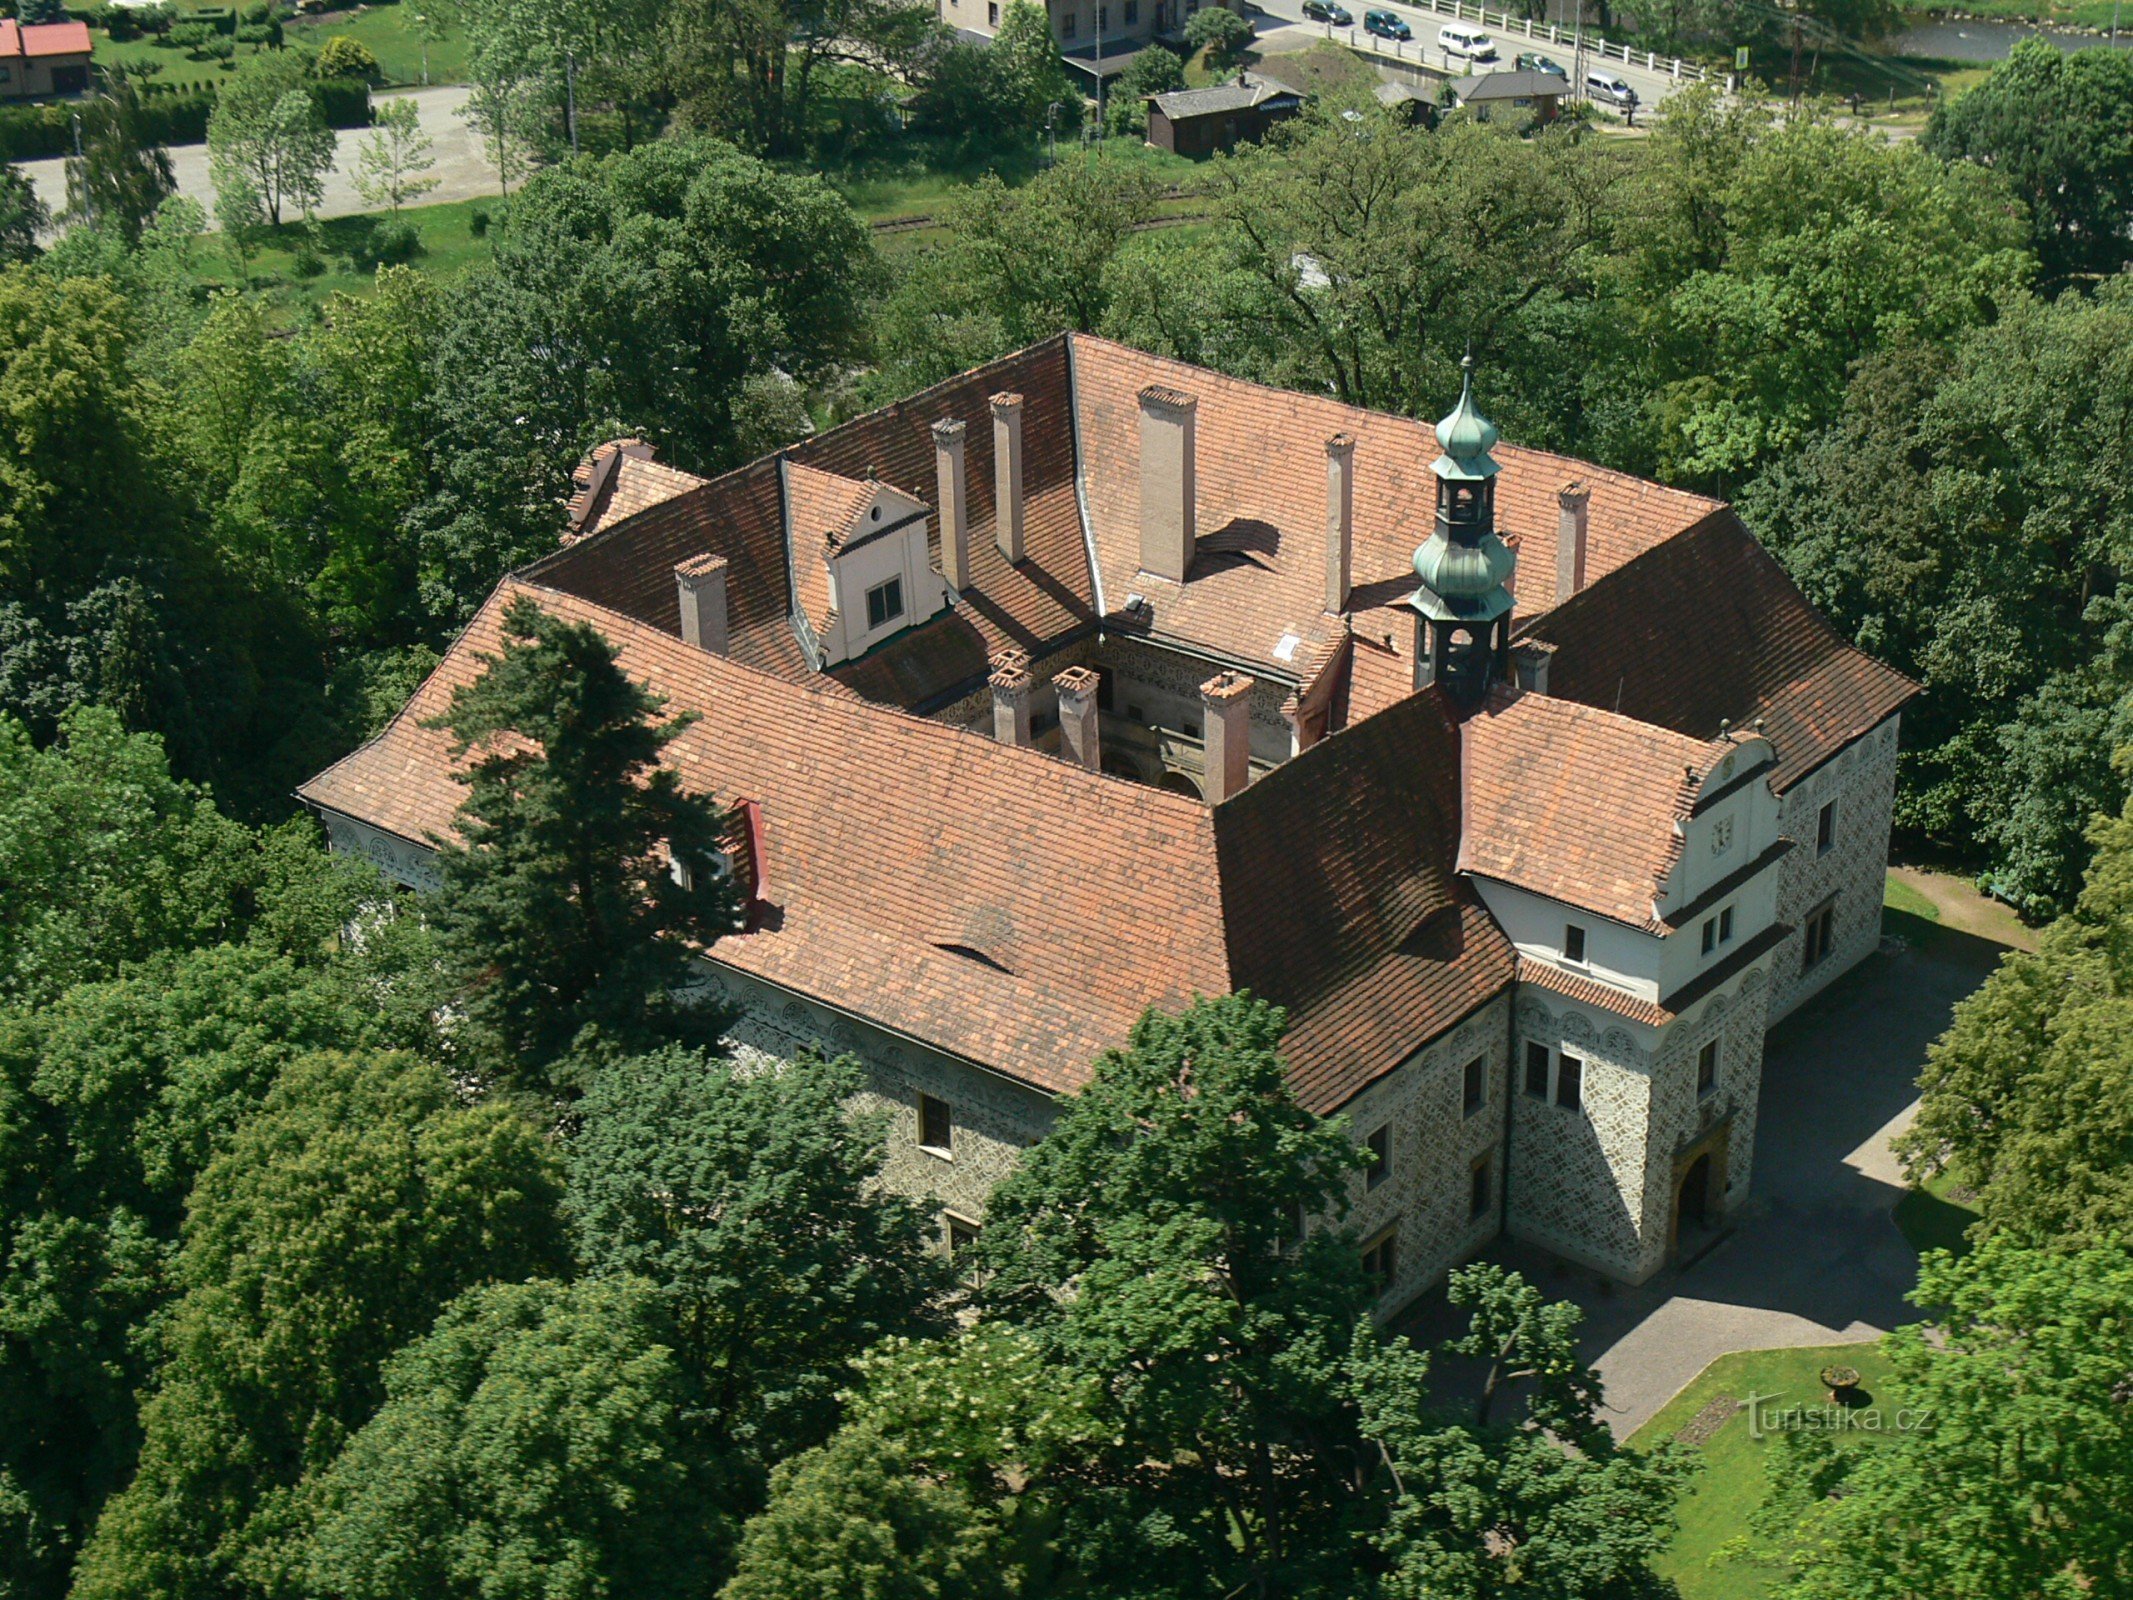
(1463,607)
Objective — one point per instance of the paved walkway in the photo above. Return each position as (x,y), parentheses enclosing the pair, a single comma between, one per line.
(1814,1256)
(461,171)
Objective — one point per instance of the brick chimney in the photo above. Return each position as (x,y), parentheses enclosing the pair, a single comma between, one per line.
(1079,740)
(1573,499)
(1227,697)
(1012,682)
(700,586)
(1340,520)
(1007,474)
(953,502)
(1168,488)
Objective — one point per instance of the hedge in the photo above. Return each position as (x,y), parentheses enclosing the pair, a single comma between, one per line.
(29,132)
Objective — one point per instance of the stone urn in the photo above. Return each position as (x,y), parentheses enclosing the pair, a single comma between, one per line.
(1842,1384)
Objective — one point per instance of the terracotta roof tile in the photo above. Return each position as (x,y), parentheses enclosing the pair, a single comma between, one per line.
(1260,465)
(1012,908)
(1591,992)
(618,480)
(1706,628)
(1577,804)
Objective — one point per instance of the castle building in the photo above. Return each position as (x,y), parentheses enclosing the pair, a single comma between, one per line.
(1091,681)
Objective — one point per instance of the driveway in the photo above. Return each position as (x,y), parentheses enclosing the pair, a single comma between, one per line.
(1813,1256)
(461,171)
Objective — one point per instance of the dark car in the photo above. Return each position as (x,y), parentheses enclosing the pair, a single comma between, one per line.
(1328,11)
(1534,62)
(1386,26)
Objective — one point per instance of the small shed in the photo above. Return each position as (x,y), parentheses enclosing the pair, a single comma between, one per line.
(1197,122)
(1406,102)
(1539,92)
(43,58)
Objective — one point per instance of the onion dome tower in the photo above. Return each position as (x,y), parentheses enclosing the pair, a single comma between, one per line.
(1463,607)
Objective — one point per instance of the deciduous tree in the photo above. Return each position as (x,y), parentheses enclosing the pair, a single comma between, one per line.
(391,160)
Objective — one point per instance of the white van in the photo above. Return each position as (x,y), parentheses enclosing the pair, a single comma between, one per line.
(1466,41)
(1611,89)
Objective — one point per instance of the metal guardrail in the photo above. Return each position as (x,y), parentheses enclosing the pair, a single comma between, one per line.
(1602,49)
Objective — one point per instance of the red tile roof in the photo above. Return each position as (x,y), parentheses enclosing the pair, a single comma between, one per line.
(1261,470)
(894,843)
(1578,804)
(634,483)
(1591,992)
(1707,628)
(35,40)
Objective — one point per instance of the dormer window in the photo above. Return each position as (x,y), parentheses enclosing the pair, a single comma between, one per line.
(885,603)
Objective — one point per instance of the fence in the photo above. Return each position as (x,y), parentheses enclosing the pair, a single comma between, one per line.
(1503,22)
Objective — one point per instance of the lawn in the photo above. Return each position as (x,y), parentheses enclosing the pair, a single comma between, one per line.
(2095,14)
(447,246)
(394,37)
(1937,1216)
(147,62)
(1725,1495)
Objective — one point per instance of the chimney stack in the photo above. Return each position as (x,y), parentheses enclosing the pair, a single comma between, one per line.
(1168,489)
(1007,474)
(1340,519)
(953,501)
(1011,685)
(1227,697)
(1079,740)
(700,586)
(1574,499)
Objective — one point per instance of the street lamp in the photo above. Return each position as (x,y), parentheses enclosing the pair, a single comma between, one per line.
(422,27)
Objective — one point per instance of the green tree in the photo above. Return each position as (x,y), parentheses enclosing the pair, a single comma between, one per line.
(2014,1479)
(1153,71)
(1016,265)
(1034,90)
(2059,129)
(560,914)
(936,1485)
(752,1204)
(343,57)
(268,143)
(122,175)
(1167,1194)
(23,217)
(2030,1092)
(1541,1501)
(648,294)
(1219,31)
(107,858)
(530,1447)
(336,1224)
(391,160)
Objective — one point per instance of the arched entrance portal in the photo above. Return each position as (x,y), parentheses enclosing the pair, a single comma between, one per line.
(1693,1209)
(1178,783)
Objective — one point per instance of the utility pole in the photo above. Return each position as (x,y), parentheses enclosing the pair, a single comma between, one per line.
(1099,69)
(88,201)
(1795,57)
(1577,46)
(570,97)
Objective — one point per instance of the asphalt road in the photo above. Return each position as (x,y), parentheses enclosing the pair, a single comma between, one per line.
(461,171)
(1652,87)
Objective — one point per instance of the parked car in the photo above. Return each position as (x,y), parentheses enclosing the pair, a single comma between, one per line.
(1533,61)
(1386,26)
(1609,89)
(1469,43)
(1328,11)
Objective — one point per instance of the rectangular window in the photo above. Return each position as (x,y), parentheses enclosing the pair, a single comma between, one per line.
(1569,1082)
(1826,827)
(1820,934)
(1475,1089)
(992,14)
(1103,18)
(1725,926)
(962,1233)
(1480,1191)
(1707,1069)
(1573,942)
(1710,934)
(1069,23)
(885,603)
(1381,1259)
(1537,1070)
(1133,12)
(936,1125)
(1379,1145)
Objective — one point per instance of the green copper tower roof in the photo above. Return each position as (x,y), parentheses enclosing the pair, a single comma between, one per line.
(1466,435)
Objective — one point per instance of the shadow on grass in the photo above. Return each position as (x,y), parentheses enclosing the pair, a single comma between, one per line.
(1931,1222)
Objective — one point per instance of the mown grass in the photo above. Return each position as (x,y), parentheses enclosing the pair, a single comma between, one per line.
(391,33)
(344,253)
(1722,1499)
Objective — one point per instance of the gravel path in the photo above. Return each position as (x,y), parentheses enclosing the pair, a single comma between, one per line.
(461,171)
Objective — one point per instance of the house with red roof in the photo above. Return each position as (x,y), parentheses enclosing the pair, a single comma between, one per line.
(1090,681)
(43,58)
